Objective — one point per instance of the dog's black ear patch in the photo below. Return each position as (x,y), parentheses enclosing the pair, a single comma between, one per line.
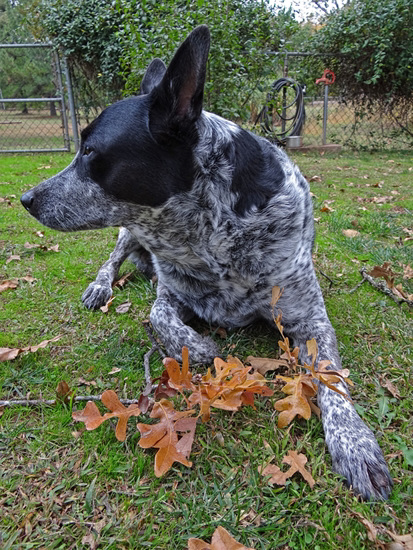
(153,76)
(178,98)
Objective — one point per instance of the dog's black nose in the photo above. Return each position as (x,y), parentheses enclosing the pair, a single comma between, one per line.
(27,200)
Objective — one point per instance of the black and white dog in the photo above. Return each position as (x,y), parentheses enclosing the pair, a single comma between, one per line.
(221,216)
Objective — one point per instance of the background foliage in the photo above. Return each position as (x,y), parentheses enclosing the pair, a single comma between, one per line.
(109,44)
(23,73)
(373,41)
(242,31)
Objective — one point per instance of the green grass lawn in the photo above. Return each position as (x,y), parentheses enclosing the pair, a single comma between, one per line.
(60,488)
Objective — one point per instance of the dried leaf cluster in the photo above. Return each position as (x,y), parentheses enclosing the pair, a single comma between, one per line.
(229,388)
(384,271)
(400,542)
(302,386)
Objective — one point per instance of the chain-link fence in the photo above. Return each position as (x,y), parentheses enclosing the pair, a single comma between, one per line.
(33,112)
(326,117)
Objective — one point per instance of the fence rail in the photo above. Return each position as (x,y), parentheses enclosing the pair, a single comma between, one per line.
(26,125)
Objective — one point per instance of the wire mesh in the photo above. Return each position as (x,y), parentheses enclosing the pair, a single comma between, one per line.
(29,127)
(32,109)
(348,125)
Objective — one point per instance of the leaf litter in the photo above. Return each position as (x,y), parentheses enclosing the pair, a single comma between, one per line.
(229,387)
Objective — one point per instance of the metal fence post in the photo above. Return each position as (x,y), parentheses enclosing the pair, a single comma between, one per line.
(70,97)
(60,84)
(325,114)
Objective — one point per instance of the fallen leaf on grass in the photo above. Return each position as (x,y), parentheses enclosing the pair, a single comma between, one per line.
(115,370)
(9,284)
(123,280)
(299,390)
(105,308)
(351,233)
(297,464)
(63,391)
(13,257)
(7,354)
(376,200)
(390,387)
(179,379)
(28,279)
(265,364)
(230,388)
(384,271)
(54,248)
(90,540)
(123,308)
(401,542)
(29,246)
(164,436)
(164,389)
(407,272)
(221,540)
(302,387)
(92,418)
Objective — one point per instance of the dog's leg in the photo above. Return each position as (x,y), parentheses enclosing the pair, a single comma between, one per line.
(168,317)
(99,292)
(353,448)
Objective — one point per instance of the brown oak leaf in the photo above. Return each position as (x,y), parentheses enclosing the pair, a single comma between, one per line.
(164,436)
(92,418)
(297,464)
(221,540)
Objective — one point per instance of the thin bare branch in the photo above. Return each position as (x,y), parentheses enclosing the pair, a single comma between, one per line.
(51,402)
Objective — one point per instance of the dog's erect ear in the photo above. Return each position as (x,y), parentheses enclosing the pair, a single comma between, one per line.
(153,76)
(179,95)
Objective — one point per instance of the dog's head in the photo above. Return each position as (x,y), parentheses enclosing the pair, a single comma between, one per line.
(139,151)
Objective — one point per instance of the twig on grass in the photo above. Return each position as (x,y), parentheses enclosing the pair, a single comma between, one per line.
(327,277)
(147,366)
(146,358)
(357,286)
(382,286)
(155,344)
(77,399)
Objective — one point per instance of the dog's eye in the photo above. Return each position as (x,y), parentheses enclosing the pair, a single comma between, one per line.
(87,150)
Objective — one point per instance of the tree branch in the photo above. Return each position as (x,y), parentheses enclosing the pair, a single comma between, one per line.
(381,285)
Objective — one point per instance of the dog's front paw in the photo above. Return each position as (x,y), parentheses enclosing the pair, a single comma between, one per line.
(357,456)
(96,295)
